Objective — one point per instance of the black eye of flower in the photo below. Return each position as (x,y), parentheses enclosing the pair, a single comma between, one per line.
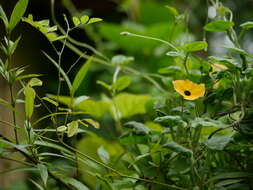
(187,93)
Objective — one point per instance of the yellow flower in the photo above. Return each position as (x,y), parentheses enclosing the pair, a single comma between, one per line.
(188,89)
(217,67)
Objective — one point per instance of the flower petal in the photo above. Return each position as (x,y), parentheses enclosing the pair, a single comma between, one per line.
(179,86)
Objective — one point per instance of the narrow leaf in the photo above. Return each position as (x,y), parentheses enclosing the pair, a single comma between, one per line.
(80,75)
(37,185)
(93,20)
(247,25)
(95,124)
(29,101)
(43,173)
(65,76)
(17,13)
(177,147)
(14,45)
(50,101)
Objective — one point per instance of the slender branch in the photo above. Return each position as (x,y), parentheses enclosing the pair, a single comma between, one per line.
(149,38)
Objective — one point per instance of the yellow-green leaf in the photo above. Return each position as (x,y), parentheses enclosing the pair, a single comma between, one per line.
(62,128)
(35,82)
(93,20)
(17,13)
(72,128)
(93,123)
(29,101)
(194,46)
(218,26)
(76,21)
(122,83)
(84,19)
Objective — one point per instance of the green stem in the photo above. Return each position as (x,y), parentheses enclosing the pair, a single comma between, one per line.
(13,104)
(117,112)
(149,38)
(185,63)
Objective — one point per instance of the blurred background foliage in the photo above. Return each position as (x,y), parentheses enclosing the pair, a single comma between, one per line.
(144,17)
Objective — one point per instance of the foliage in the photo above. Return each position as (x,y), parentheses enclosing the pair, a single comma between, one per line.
(143,131)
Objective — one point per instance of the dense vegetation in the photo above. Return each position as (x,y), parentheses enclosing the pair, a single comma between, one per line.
(149,105)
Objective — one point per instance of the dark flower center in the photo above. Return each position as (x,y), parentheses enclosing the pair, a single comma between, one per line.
(187,93)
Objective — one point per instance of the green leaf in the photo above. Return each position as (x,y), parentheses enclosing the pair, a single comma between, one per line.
(95,108)
(130,104)
(230,63)
(206,122)
(27,76)
(103,155)
(227,175)
(75,183)
(121,60)
(176,147)
(93,123)
(173,10)
(76,21)
(37,185)
(169,70)
(175,53)
(72,128)
(94,20)
(194,46)
(228,182)
(218,142)
(218,26)
(35,82)
(14,45)
(43,173)
(52,145)
(84,19)
(247,25)
(107,86)
(29,101)
(62,128)
(122,83)
(240,51)
(172,119)
(50,101)
(17,13)
(4,102)
(139,127)
(52,36)
(80,75)
(4,17)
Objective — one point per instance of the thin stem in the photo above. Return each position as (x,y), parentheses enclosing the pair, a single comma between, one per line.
(13,104)
(149,38)
(117,112)
(185,63)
